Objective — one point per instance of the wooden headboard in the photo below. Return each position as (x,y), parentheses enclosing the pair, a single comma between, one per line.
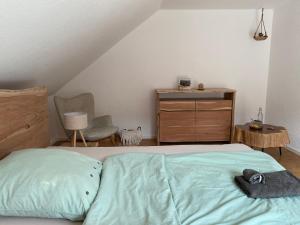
(23,119)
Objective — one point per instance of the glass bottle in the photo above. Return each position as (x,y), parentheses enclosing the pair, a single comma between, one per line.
(260,116)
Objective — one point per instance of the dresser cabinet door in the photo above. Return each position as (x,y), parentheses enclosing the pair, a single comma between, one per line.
(177,126)
(213,125)
(213,133)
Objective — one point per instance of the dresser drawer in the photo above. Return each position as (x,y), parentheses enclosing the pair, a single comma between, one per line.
(175,119)
(213,105)
(213,118)
(177,105)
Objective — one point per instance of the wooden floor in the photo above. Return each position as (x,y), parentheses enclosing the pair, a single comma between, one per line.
(289,160)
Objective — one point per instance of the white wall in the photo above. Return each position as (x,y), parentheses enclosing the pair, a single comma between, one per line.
(283,105)
(210,46)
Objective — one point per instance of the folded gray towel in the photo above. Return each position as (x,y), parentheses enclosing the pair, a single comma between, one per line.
(277,184)
(253,176)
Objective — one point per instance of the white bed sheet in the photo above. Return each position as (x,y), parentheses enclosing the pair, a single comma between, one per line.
(101,153)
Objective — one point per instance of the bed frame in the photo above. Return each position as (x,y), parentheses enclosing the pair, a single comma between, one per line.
(23,119)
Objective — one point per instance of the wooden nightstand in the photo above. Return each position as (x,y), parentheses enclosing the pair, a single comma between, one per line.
(269,137)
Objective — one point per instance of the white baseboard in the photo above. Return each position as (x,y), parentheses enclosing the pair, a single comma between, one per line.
(57,139)
(293,150)
(149,137)
(54,140)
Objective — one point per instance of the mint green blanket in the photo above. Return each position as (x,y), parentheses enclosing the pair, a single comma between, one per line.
(194,189)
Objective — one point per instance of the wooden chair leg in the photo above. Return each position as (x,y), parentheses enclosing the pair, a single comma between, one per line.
(280,151)
(74,138)
(113,139)
(82,137)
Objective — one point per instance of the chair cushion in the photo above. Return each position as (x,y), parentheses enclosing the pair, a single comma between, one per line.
(97,133)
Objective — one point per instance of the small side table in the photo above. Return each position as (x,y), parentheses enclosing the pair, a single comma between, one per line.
(269,137)
(76,121)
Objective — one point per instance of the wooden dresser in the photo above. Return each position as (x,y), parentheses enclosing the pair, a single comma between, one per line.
(195,116)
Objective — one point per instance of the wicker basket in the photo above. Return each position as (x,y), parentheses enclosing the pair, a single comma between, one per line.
(131,137)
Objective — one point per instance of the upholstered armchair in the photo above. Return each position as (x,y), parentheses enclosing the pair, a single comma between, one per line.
(98,127)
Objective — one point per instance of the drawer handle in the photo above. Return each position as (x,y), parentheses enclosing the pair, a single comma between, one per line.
(174,126)
(177,110)
(207,102)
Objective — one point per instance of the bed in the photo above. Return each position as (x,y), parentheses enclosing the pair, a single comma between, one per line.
(180,185)
(233,157)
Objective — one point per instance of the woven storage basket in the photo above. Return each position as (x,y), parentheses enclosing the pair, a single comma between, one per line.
(131,137)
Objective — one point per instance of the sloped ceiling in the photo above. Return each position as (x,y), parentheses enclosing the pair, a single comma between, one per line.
(221,4)
(51,41)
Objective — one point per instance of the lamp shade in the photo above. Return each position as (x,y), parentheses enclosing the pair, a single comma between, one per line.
(75,120)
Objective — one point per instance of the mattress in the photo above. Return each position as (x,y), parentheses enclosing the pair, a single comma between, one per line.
(101,153)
